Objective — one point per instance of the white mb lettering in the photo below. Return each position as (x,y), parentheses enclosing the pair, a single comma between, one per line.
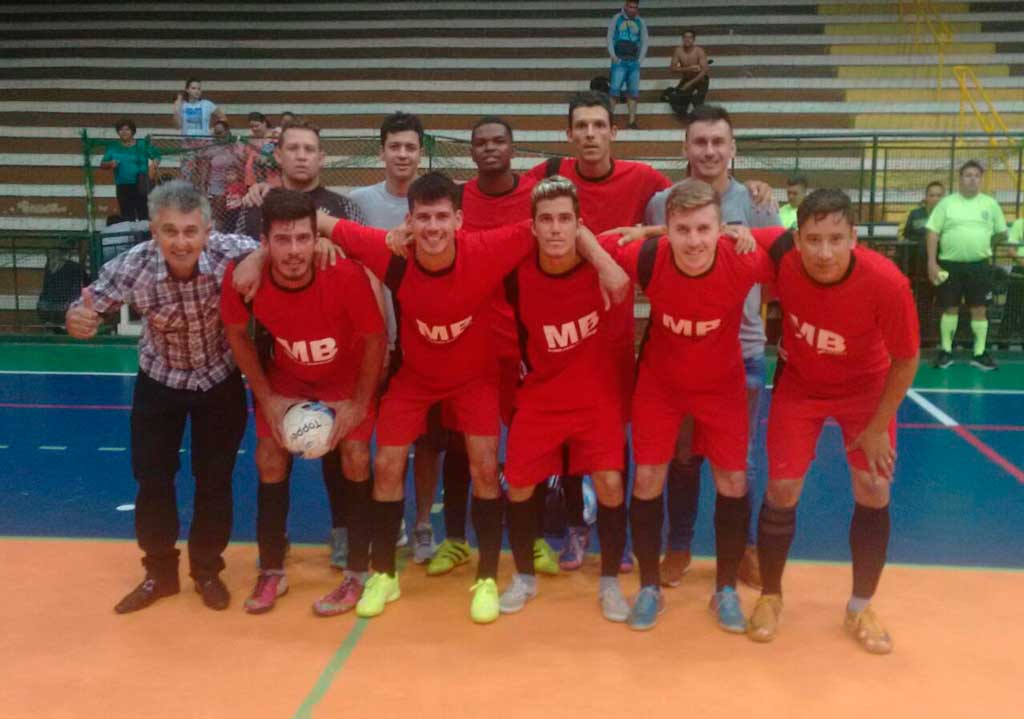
(569,334)
(825,341)
(311,352)
(690,328)
(442,334)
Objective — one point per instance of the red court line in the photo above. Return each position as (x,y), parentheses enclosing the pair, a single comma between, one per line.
(990,453)
(973,427)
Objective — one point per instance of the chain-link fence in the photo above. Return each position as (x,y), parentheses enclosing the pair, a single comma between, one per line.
(40,274)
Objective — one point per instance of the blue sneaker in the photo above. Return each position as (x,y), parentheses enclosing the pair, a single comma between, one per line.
(646,607)
(574,548)
(725,605)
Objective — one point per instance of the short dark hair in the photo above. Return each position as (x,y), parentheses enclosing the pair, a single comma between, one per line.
(934,183)
(434,187)
(400,122)
(797,180)
(709,113)
(491,120)
(287,206)
(823,202)
(191,80)
(298,125)
(690,31)
(590,98)
(257,116)
(125,122)
(969,164)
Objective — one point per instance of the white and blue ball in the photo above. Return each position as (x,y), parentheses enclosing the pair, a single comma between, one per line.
(306,428)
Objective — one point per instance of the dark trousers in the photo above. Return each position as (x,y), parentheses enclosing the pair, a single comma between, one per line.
(683,100)
(218,417)
(131,203)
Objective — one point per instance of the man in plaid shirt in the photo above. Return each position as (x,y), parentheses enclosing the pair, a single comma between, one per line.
(185,371)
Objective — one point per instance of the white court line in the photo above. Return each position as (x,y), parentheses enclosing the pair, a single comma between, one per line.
(5,446)
(111,449)
(931,409)
(53,447)
(87,374)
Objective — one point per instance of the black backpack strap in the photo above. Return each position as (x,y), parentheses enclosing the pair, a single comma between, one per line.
(783,244)
(552,166)
(511,283)
(645,262)
(395,272)
(261,336)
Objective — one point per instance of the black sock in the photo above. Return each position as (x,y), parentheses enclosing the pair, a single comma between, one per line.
(645,517)
(732,514)
(573,488)
(540,506)
(522,527)
(775,529)
(334,482)
(456,490)
(869,540)
(387,523)
(272,523)
(683,499)
(359,500)
(487,524)
(611,532)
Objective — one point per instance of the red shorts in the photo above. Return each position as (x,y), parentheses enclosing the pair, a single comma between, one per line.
(720,429)
(595,438)
(508,381)
(625,364)
(471,408)
(794,424)
(282,386)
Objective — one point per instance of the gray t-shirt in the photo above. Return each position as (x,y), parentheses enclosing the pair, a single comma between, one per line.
(737,209)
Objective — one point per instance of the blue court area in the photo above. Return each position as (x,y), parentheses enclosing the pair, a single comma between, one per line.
(958,498)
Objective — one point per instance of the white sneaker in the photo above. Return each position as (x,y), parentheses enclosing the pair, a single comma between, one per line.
(516,596)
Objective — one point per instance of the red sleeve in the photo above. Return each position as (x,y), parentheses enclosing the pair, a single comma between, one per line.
(538,172)
(232,308)
(764,267)
(897,317)
(366,244)
(506,246)
(766,236)
(628,255)
(660,181)
(359,301)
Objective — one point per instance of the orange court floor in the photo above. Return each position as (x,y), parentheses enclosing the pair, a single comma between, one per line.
(958,635)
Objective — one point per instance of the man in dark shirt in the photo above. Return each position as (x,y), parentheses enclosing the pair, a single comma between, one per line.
(914,228)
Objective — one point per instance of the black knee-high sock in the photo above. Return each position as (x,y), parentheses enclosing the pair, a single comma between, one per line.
(487,525)
(611,532)
(272,523)
(359,500)
(387,522)
(775,529)
(683,500)
(456,490)
(334,481)
(645,517)
(572,485)
(869,540)
(540,500)
(732,514)
(522,530)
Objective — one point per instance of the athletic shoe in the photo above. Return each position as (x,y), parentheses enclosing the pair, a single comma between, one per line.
(545,561)
(725,605)
(403,536)
(576,543)
(146,593)
(380,589)
(339,600)
(422,544)
(984,362)
(614,606)
(866,629)
(633,125)
(270,585)
(749,571)
(764,620)
(484,608)
(942,360)
(338,543)
(516,596)
(646,607)
(449,555)
(626,564)
(674,567)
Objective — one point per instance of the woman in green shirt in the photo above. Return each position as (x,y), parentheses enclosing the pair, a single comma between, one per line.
(133,163)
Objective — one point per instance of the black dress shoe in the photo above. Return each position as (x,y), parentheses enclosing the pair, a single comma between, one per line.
(146,593)
(215,595)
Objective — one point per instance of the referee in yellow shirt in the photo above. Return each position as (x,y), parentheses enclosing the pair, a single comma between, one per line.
(961,230)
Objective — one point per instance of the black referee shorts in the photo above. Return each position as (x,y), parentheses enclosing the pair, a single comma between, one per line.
(969,281)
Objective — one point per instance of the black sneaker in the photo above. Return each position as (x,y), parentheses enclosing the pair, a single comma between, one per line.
(633,125)
(943,359)
(146,593)
(215,595)
(984,362)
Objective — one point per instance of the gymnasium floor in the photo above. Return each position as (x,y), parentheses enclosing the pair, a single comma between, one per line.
(66,529)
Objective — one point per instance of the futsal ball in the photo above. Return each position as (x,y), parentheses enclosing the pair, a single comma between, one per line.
(307,427)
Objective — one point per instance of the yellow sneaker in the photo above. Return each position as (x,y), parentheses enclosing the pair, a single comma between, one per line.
(485,606)
(866,629)
(449,555)
(545,559)
(764,620)
(380,589)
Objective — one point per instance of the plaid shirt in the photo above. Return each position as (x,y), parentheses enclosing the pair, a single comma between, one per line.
(183,344)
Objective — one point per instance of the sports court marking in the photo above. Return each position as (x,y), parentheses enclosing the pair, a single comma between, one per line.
(326,678)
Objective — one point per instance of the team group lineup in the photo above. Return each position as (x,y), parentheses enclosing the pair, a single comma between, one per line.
(508,299)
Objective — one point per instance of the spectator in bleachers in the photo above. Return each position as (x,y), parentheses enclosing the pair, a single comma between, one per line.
(796,191)
(134,163)
(961,230)
(193,115)
(914,227)
(259,152)
(627,46)
(690,61)
(221,165)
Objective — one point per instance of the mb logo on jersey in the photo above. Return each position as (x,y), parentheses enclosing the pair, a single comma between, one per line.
(826,342)
(690,328)
(312,352)
(563,337)
(443,334)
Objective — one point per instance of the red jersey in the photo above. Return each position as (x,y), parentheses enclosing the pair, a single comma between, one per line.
(481,211)
(442,316)
(837,339)
(693,336)
(564,335)
(318,330)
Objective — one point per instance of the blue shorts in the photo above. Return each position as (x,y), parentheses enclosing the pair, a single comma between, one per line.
(625,72)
